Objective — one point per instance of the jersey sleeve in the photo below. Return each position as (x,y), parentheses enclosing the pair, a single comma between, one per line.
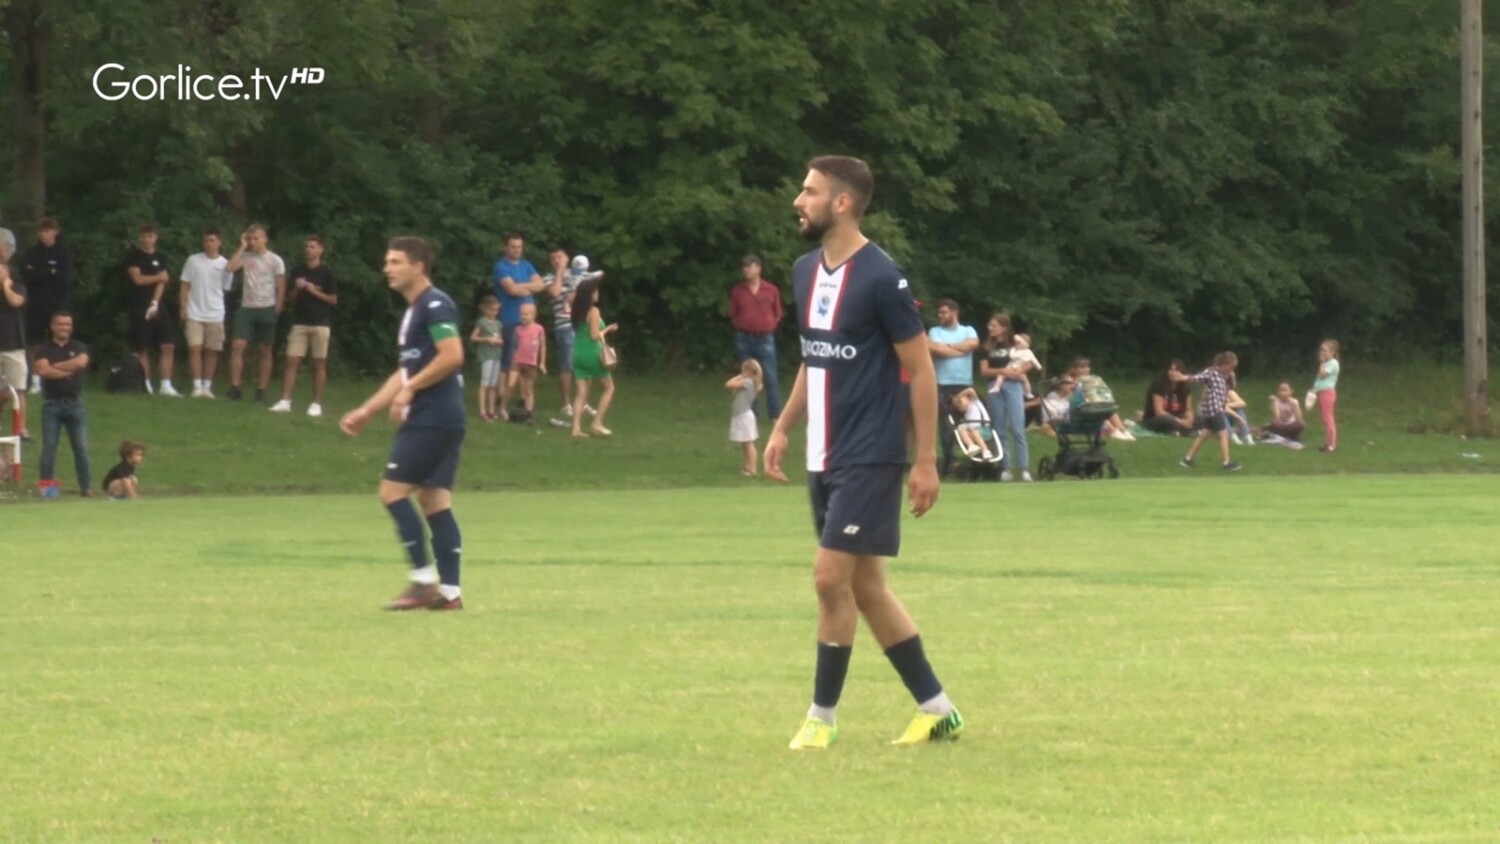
(896,308)
(442,319)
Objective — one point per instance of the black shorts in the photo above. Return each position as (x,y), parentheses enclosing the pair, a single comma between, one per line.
(153,333)
(857,509)
(425,457)
(1215,423)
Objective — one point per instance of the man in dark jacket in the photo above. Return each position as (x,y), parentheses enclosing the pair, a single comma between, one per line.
(47,273)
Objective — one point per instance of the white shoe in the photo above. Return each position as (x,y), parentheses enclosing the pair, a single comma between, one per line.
(168,390)
(149,390)
(282,406)
(1006,476)
(207,393)
(315,410)
(568,411)
(590,411)
(1235,438)
(1026,477)
(1249,440)
(34,391)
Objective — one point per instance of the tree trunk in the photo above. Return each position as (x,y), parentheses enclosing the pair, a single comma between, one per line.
(1476,345)
(30,33)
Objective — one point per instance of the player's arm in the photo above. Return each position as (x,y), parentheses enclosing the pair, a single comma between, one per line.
(511,288)
(922,484)
(536,285)
(184,290)
(317,293)
(280,292)
(542,356)
(140,279)
(354,421)
(791,415)
(13,297)
(966,345)
(237,260)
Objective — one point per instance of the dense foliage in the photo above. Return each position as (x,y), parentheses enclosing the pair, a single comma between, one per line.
(1131,178)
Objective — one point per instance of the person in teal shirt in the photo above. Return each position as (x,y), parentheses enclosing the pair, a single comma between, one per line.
(952,347)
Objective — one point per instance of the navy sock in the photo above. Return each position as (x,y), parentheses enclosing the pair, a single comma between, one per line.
(833,667)
(409,531)
(911,663)
(447,545)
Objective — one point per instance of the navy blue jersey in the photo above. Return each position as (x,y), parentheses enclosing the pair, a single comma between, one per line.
(850,318)
(430,317)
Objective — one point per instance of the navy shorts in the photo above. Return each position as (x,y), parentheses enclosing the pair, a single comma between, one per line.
(1216,423)
(508,351)
(425,457)
(857,509)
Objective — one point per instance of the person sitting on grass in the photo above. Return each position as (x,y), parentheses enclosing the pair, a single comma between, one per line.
(971,431)
(121,482)
(1238,414)
(1057,405)
(1169,404)
(1114,427)
(1287,423)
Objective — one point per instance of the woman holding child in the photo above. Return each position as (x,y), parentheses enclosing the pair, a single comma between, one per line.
(1007,362)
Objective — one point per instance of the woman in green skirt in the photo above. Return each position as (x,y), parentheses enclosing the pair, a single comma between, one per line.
(588,362)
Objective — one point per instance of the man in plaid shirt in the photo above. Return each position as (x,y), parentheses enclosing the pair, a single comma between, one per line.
(1211,409)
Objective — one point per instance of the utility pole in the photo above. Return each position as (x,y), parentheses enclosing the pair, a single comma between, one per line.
(1476,345)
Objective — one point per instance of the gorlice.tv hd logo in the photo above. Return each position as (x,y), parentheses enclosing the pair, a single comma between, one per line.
(112,82)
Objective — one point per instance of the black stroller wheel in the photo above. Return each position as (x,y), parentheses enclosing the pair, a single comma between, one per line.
(1113,471)
(1046,469)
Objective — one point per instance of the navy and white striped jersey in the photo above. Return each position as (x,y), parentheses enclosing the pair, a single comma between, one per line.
(850,318)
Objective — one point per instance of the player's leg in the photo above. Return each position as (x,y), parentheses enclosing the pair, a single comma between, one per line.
(507,363)
(166,332)
(296,350)
(528,388)
(321,343)
(192,332)
(751,457)
(565,338)
(606,398)
(1224,444)
(404,470)
(436,498)
(51,430)
(838,613)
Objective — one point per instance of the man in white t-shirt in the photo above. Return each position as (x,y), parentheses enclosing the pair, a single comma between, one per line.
(204,281)
(261,299)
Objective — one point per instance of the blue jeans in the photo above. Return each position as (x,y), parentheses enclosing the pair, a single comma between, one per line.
(565,335)
(1008,414)
(762,347)
(66,413)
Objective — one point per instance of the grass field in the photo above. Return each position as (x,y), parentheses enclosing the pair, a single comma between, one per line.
(1305,651)
(1243,659)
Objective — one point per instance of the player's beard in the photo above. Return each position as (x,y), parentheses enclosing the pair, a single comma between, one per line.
(813,229)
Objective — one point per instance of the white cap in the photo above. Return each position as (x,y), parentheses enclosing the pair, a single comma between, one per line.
(581,263)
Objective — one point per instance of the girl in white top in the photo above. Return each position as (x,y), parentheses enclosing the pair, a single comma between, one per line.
(742,428)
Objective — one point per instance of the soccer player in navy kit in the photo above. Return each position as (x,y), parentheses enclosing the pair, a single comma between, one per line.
(860,327)
(427,402)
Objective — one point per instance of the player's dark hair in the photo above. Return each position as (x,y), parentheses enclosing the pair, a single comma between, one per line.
(211,231)
(851,174)
(583,300)
(130,447)
(1333,346)
(1226,359)
(417,250)
(558,247)
(949,304)
(47,224)
(488,298)
(148,228)
(1079,363)
(56,314)
(509,236)
(316,238)
(258,227)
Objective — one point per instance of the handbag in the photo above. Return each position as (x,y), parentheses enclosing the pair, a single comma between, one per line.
(608,357)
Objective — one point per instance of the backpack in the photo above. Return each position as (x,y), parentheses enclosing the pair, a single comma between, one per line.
(1094,396)
(126,376)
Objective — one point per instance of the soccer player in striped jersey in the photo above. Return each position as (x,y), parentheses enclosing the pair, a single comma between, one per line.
(860,327)
(427,401)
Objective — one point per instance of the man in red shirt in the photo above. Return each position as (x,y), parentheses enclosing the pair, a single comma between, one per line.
(755,310)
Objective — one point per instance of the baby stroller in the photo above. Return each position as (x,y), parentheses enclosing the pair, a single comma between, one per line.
(975,465)
(1081,452)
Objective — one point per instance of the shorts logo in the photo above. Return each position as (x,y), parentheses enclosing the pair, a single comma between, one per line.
(851,530)
(901,285)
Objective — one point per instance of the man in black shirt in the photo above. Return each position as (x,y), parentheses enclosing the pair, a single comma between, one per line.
(61,362)
(151,325)
(13,339)
(314,293)
(47,273)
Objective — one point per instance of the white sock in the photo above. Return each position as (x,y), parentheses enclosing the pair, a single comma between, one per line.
(822,713)
(939,705)
(426,575)
(448,592)
(36,382)
(165,383)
